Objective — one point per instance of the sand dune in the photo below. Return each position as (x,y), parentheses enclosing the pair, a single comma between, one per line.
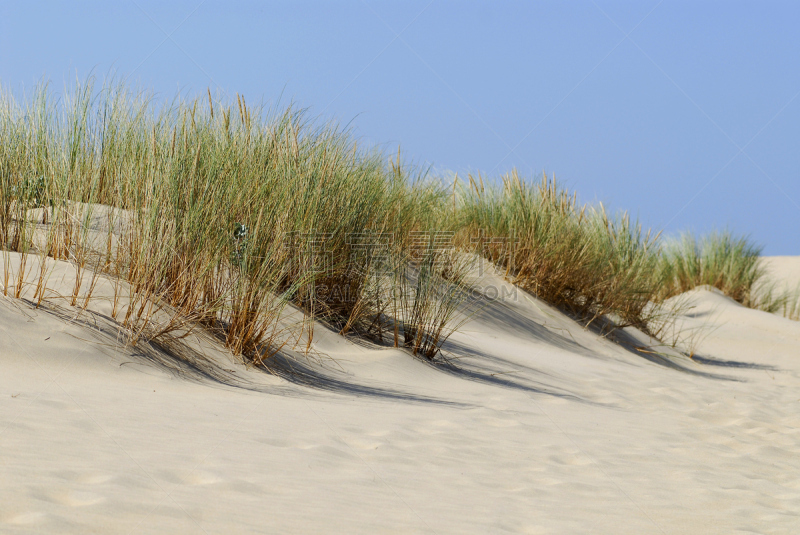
(538,426)
(785,269)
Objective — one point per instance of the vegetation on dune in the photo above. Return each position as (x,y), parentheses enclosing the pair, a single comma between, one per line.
(580,259)
(575,257)
(226,214)
(732,264)
(221,215)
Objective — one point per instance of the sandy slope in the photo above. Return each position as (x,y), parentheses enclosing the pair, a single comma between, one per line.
(785,269)
(541,428)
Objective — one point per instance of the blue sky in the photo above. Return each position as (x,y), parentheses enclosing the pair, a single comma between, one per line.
(687,114)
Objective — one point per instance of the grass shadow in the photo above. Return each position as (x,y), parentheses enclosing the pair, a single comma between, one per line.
(173,356)
(630,343)
(494,371)
(709,361)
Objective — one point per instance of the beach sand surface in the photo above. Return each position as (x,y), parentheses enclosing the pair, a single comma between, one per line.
(538,426)
(785,270)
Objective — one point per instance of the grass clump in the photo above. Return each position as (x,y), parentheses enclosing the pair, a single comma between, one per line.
(214,214)
(437,280)
(721,260)
(573,256)
(730,263)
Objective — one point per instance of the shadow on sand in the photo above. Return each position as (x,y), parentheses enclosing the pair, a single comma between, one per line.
(502,317)
(624,339)
(709,361)
(172,355)
(496,371)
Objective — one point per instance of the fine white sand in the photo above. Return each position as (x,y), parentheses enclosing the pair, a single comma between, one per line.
(784,269)
(540,427)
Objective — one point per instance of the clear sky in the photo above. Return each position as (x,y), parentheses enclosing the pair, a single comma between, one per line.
(685,113)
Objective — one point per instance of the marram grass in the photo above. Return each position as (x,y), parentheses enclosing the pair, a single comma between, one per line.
(220,215)
(720,259)
(573,256)
(225,213)
(730,263)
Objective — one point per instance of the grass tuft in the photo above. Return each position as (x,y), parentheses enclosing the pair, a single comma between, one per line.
(573,256)
(730,264)
(217,215)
